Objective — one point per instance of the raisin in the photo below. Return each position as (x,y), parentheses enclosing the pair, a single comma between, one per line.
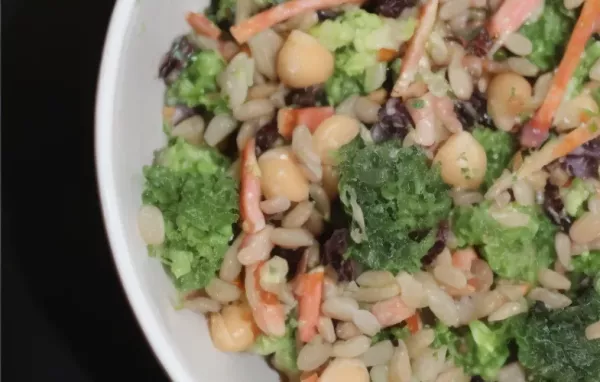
(481,43)
(266,137)
(393,121)
(176,59)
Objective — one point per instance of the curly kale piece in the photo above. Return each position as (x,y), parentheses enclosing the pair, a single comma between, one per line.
(552,343)
(512,252)
(499,148)
(198,200)
(400,198)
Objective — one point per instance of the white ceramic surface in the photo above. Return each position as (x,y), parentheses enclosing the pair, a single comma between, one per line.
(128,130)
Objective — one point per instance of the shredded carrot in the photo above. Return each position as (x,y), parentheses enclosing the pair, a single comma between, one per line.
(510,16)
(250,192)
(391,311)
(245,30)
(386,55)
(463,258)
(413,323)
(168,112)
(246,49)
(586,25)
(576,138)
(202,25)
(559,148)
(309,377)
(311,117)
(416,48)
(310,288)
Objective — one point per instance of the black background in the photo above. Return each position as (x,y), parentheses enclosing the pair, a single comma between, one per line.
(64,314)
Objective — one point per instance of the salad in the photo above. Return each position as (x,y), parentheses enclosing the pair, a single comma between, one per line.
(386,190)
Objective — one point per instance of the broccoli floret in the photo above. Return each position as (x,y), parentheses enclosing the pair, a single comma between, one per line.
(355,38)
(549,34)
(391,333)
(581,75)
(197,83)
(512,252)
(552,343)
(499,148)
(402,201)
(576,195)
(587,263)
(482,349)
(198,200)
(283,348)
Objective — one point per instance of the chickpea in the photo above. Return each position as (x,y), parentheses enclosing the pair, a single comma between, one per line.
(303,61)
(509,97)
(463,161)
(570,114)
(281,175)
(331,178)
(232,330)
(345,369)
(333,133)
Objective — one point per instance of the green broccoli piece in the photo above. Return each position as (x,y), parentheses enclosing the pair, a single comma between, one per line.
(576,195)
(581,75)
(197,83)
(587,263)
(549,34)
(283,348)
(391,333)
(512,252)
(198,200)
(341,86)
(401,198)
(499,148)
(552,343)
(222,11)
(482,349)
(355,38)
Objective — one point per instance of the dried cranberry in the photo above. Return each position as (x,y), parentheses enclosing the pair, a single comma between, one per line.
(327,14)
(583,162)
(266,137)
(292,256)
(306,97)
(555,208)
(333,254)
(439,245)
(176,59)
(473,111)
(394,120)
(481,43)
(392,8)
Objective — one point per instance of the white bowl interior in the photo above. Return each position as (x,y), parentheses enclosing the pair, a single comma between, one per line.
(128,130)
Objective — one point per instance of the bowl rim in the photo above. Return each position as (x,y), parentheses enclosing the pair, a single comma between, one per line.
(106,92)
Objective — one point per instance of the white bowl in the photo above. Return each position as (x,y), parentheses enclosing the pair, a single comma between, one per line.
(128,130)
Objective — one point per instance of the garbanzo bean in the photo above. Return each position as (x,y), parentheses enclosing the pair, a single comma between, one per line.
(333,133)
(232,330)
(509,98)
(463,161)
(281,176)
(303,61)
(345,369)
(573,112)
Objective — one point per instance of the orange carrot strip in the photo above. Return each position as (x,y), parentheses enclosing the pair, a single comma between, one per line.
(510,16)
(463,258)
(202,25)
(245,30)
(416,48)
(391,311)
(559,148)
(311,117)
(586,25)
(413,323)
(386,55)
(310,290)
(253,219)
(309,377)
